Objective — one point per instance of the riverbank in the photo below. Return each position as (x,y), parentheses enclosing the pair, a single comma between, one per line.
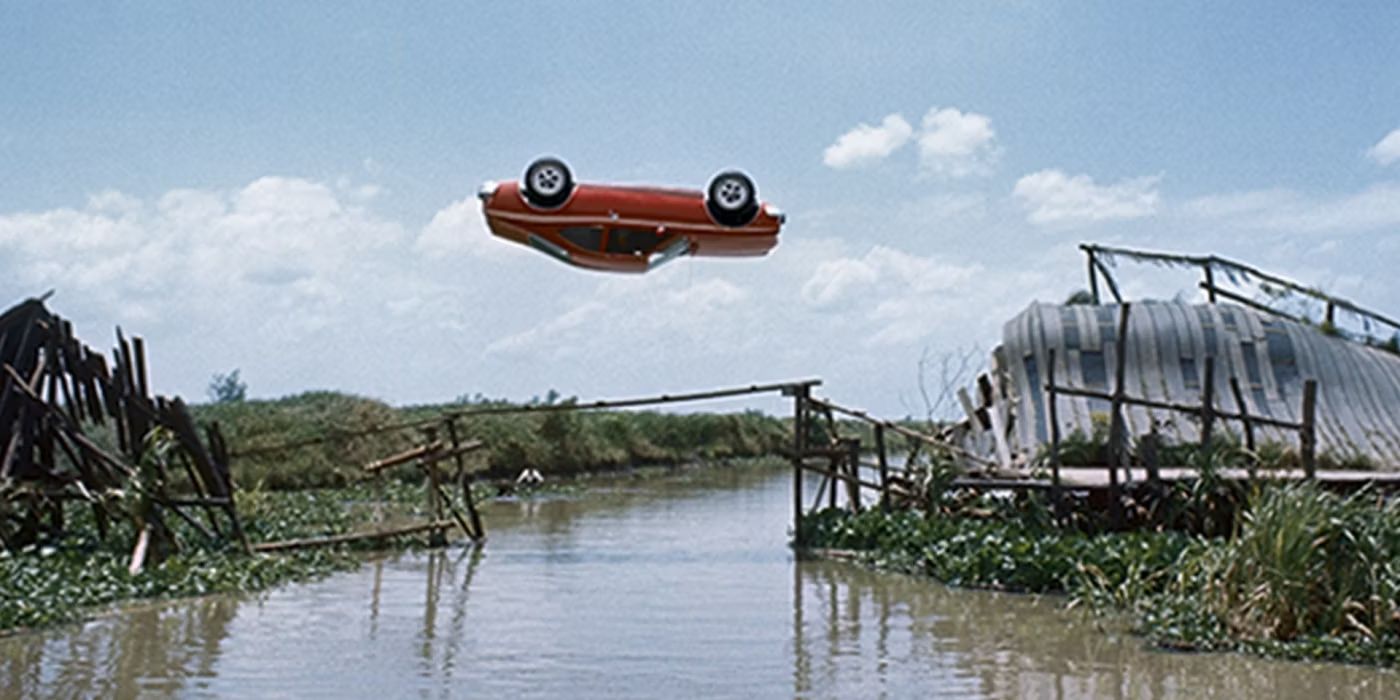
(1305,575)
(80,576)
(322,439)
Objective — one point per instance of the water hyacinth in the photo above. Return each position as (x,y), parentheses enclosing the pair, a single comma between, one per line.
(1307,574)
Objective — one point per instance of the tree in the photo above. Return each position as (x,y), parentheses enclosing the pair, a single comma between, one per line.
(227,388)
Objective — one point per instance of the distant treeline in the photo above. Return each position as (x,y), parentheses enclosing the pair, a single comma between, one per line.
(337,434)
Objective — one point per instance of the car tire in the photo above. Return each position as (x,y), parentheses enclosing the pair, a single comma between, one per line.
(548,183)
(732,198)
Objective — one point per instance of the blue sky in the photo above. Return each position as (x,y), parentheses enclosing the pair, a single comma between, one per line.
(285,188)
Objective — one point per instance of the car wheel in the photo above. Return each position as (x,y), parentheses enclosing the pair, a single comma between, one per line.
(732,198)
(548,182)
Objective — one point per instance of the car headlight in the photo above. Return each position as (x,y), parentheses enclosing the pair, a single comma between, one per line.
(488,189)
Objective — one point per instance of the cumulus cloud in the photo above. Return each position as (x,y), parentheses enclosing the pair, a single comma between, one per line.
(702,317)
(901,296)
(1052,197)
(866,144)
(459,228)
(289,236)
(957,144)
(1387,150)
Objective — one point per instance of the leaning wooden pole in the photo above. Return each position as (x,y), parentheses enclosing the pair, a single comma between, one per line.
(1053,415)
(884,467)
(474,518)
(1117,439)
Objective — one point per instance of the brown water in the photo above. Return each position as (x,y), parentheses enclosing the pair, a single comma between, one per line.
(665,588)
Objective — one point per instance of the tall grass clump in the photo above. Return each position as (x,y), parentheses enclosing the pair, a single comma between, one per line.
(1306,562)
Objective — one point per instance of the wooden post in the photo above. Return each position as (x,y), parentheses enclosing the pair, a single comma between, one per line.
(1308,434)
(1244,413)
(1093,277)
(1210,283)
(1117,439)
(1053,416)
(853,485)
(1331,316)
(1208,402)
(884,467)
(1150,460)
(834,462)
(478,533)
(799,446)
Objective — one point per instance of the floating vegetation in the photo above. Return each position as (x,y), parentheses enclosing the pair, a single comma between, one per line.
(78,575)
(1306,574)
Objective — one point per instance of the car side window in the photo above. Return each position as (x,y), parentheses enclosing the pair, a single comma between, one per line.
(586,237)
(632,241)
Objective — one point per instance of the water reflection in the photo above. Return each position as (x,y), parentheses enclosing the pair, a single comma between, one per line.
(680,588)
(855,631)
(154,651)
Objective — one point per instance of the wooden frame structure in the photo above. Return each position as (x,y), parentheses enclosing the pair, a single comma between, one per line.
(54,391)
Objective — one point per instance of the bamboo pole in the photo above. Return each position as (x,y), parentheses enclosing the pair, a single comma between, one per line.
(785,388)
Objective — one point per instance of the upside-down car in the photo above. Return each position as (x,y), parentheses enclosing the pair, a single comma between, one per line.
(629,228)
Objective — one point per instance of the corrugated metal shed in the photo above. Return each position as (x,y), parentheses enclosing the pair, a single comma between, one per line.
(1358,403)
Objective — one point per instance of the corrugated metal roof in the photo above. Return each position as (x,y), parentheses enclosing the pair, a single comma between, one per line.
(1358,401)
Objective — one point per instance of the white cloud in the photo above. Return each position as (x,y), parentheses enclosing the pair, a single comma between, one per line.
(835,280)
(1052,197)
(957,144)
(1234,204)
(897,297)
(1387,150)
(867,144)
(277,241)
(1376,207)
(460,229)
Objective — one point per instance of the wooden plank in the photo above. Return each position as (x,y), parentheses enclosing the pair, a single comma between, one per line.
(305,542)
(143,387)
(404,457)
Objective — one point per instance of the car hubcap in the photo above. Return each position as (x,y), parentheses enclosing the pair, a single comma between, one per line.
(548,180)
(731,194)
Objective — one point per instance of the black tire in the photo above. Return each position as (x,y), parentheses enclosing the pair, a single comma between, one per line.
(547,183)
(732,198)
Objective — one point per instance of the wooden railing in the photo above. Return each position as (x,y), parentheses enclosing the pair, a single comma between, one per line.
(1206,411)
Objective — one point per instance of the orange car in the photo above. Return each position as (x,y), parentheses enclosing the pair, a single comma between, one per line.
(625,228)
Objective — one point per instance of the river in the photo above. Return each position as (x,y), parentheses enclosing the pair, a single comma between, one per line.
(669,587)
